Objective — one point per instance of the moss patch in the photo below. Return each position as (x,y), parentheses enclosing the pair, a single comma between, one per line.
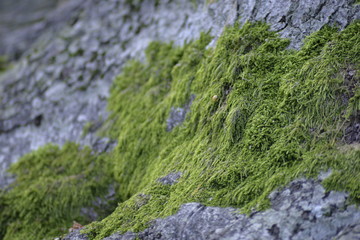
(279,114)
(3,64)
(51,188)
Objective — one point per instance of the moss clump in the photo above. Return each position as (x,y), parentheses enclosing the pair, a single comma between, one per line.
(280,114)
(51,188)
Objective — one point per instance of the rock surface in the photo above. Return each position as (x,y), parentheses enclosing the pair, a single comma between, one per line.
(61,83)
(68,72)
(297,19)
(22,22)
(302,210)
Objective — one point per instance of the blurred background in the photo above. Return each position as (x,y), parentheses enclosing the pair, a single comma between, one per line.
(22,21)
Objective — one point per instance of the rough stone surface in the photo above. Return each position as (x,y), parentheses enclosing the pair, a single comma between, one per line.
(61,83)
(23,21)
(352,132)
(75,235)
(297,19)
(126,236)
(170,179)
(177,115)
(302,210)
(71,51)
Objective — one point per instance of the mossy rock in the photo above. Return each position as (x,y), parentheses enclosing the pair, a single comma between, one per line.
(279,114)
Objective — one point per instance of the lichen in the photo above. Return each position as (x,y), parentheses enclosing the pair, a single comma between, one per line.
(279,115)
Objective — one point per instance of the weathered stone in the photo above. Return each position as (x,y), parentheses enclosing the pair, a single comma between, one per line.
(22,22)
(170,179)
(75,235)
(78,47)
(323,217)
(297,19)
(126,236)
(177,115)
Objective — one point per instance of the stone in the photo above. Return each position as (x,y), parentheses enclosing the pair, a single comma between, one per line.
(68,55)
(177,115)
(170,179)
(75,235)
(196,221)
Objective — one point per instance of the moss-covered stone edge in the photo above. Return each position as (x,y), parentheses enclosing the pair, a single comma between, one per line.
(279,114)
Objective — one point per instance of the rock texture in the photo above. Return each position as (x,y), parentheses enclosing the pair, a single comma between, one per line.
(302,210)
(62,82)
(22,22)
(71,51)
(297,19)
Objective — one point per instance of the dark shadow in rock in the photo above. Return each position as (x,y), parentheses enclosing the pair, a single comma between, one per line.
(38,119)
(352,131)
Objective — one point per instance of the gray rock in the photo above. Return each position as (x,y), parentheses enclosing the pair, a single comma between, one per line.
(22,22)
(126,236)
(297,19)
(302,210)
(68,78)
(170,179)
(74,235)
(56,92)
(349,233)
(177,115)
(82,45)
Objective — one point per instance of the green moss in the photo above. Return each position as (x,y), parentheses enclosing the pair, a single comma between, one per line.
(51,188)
(3,64)
(88,127)
(280,115)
